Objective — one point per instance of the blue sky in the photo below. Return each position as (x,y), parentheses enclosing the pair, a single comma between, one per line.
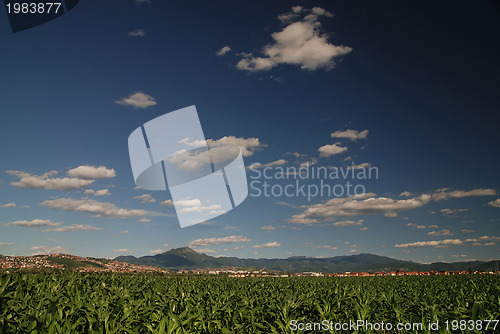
(410,89)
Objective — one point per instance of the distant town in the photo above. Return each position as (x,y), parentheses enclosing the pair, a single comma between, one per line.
(88,264)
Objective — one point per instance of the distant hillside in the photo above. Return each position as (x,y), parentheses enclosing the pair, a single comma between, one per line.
(186,258)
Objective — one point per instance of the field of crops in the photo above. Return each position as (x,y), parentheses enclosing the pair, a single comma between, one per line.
(112,303)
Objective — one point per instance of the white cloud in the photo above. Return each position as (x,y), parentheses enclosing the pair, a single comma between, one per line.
(279,162)
(44,181)
(301,219)
(247,145)
(124,232)
(350,134)
(146,198)
(495,203)
(300,43)
(8,205)
(483,238)
(168,202)
(102,192)
(74,227)
(406,194)
(443,194)
(205,251)
(34,223)
(223,51)
(217,241)
(421,226)
(329,150)
(391,214)
(5,244)
(92,206)
(328,247)
(363,165)
(123,251)
(439,244)
(137,33)
(268,227)
(138,100)
(363,204)
(92,172)
(439,233)
(48,250)
(268,245)
(344,223)
(144,220)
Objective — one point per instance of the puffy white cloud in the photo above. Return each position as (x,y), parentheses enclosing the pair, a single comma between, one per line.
(327,247)
(363,204)
(8,205)
(268,245)
(299,43)
(144,220)
(223,51)
(452,212)
(101,192)
(483,238)
(350,134)
(48,250)
(74,227)
(329,150)
(406,194)
(137,33)
(248,145)
(439,244)
(92,172)
(441,232)
(268,227)
(92,206)
(495,203)
(146,198)
(205,251)
(344,223)
(168,202)
(138,100)
(34,223)
(279,162)
(5,244)
(44,181)
(123,251)
(301,219)
(443,194)
(218,241)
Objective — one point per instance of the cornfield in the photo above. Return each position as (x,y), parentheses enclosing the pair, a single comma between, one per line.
(119,303)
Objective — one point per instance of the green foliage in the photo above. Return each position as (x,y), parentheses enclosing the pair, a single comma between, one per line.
(117,303)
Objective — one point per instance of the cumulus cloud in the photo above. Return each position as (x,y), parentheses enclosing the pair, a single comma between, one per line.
(146,198)
(34,223)
(195,205)
(248,145)
(92,206)
(279,162)
(444,193)
(138,100)
(92,172)
(495,203)
(101,192)
(44,181)
(144,220)
(344,223)
(439,233)
(301,219)
(8,205)
(48,250)
(5,244)
(217,241)
(137,33)
(123,251)
(421,226)
(205,251)
(168,202)
(350,134)
(223,51)
(268,227)
(299,43)
(74,227)
(406,194)
(439,244)
(329,150)
(268,245)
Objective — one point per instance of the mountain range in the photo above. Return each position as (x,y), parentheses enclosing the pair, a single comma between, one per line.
(187,258)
